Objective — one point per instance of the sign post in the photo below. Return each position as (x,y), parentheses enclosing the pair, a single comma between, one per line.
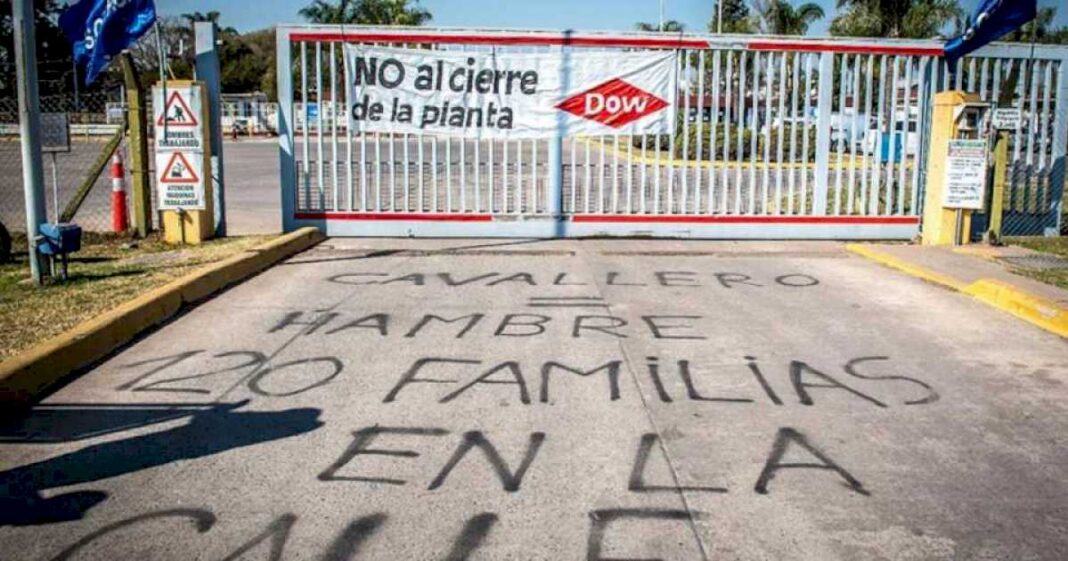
(183,162)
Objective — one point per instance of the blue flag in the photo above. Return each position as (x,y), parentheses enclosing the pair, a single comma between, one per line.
(993,19)
(101,29)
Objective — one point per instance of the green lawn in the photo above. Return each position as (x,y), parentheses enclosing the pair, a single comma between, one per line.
(1056,246)
(108,271)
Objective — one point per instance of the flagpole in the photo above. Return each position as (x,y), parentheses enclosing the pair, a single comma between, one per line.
(162,79)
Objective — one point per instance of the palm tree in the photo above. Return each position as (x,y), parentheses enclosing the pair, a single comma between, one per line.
(919,19)
(779,17)
(670,25)
(368,12)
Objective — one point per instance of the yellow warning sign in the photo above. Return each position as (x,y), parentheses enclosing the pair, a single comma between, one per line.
(179,171)
(176,112)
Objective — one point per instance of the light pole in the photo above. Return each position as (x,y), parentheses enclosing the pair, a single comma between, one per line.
(719,19)
(661,28)
(29,126)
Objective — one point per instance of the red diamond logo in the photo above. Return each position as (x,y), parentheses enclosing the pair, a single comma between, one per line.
(614,103)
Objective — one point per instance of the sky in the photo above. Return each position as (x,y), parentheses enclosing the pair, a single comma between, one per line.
(249,15)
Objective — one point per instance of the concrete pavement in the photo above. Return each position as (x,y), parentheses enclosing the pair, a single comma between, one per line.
(432,399)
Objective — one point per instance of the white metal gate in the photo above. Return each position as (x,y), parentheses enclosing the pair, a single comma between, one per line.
(778,138)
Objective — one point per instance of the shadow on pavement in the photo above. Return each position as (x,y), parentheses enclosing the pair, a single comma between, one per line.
(209,431)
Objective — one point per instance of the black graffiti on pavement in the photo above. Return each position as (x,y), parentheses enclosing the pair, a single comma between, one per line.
(461,376)
(669,279)
(258,373)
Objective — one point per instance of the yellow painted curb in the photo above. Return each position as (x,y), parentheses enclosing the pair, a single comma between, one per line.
(905,267)
(27,376)
(1035,310)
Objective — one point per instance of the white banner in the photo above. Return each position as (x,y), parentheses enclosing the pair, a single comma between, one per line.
(510,95)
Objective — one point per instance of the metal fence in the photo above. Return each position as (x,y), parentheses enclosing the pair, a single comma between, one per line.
(777,138)
(93,119)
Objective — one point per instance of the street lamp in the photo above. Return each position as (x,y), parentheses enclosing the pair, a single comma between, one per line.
(661,28)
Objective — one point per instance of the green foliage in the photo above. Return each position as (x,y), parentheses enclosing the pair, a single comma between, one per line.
(670,26)
(736,18)
(780,17)
(54,57)
(366,12)
(1040,30)
(920,19)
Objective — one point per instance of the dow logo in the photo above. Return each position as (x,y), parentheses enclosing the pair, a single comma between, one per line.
(614,103)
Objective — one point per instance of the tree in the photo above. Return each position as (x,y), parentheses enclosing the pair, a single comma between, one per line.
(779,17)
(919,19)
(736,18)
(54,52)
(366,12)
(670,25)
(1040,30)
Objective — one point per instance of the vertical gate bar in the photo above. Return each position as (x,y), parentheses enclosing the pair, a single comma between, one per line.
(333,125)
(534,176)
(518,176)
(877,168)
(823,134)
(434,174)
(769,73)
(304,137)
(420,154)
(615,175)
(505,187)
(349,148)
(905,138)
(685,74)
(700,131)
(780,119)
(1044,120)
(1021,81)
(971,75)
(855,89)
(865,186)
(406,138)
(491,201)
(319,169)
(924,68)
(795,88)
(894,137)
(378,171)
(574,178)
(630,175)
(958,76)
(729,56)
(589,179)
(392,172)
(644,174)
(463,175)
(806,126)
(478,175)
(840,148)
(448,174)
(1029,159)
(741,133)
(679,62)
(600,176)
(363,171)
(286,153)
(984,81)
(996,83)
(657,168)
(754,129)
(1060,143)
(713,129)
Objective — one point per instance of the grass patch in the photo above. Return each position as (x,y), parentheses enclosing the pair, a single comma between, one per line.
(109,270)
(1056,246)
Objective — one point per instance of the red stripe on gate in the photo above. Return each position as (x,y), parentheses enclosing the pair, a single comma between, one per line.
(449,39)
(394,216)
(724,219)
(816,46)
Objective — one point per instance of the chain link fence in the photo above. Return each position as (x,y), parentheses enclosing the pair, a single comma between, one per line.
(93,119)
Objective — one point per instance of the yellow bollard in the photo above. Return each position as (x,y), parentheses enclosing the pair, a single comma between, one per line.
(956,115)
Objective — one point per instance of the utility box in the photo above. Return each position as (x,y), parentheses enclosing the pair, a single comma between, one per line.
(956,167)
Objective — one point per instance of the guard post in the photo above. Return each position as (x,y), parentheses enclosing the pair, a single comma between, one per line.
(957,163)
(183,161)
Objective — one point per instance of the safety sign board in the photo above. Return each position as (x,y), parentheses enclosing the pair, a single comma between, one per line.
(1006,118)
(177,122)
(510,95)
(180,180)
(965,177)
